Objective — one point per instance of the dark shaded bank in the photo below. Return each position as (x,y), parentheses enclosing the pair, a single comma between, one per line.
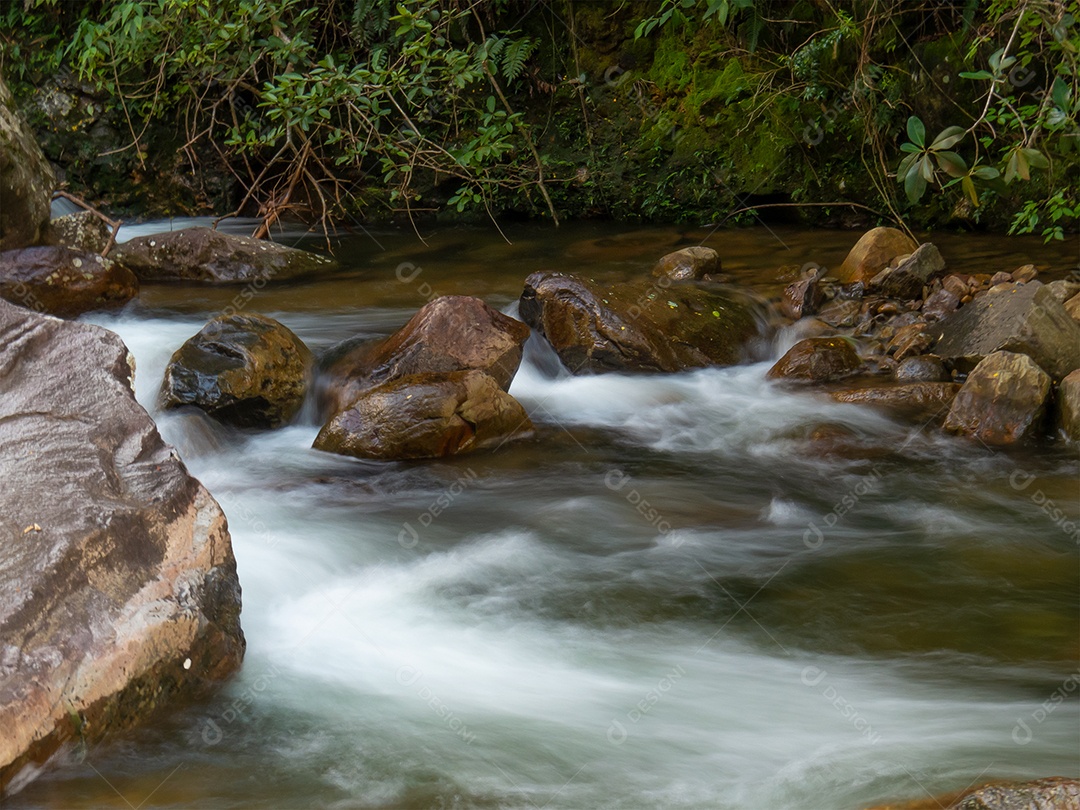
(679,110)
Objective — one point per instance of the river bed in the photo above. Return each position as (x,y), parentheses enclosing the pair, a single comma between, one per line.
(680,594)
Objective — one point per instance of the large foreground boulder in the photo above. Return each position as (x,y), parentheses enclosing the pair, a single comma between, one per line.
(64,282)
(245,370)
(641,326)
(451,333)
(1002,401)
(26,179)
(118,589)
(206,255)
(426,416)
(1055,793)
(874,251)
(1024,318)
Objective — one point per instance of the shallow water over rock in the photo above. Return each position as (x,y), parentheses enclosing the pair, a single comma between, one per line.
(700,590)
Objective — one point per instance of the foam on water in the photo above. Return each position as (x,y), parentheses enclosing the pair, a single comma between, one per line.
(544,643)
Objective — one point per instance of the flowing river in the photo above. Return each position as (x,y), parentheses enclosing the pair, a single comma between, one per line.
(688,591)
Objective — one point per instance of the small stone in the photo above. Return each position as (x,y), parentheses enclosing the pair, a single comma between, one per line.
(688,264)
(927,368)
(1025,274)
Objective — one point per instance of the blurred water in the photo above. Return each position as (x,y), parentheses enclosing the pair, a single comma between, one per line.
(662,601)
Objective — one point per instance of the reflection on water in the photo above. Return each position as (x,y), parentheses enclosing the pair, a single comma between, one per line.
(678,595)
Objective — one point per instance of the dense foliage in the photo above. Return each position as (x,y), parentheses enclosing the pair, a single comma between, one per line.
(666,110)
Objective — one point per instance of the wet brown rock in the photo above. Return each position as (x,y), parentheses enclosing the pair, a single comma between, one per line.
(1024,318)
(940,303)
(1069,406)
(118,588)
(452,333)
(927,368)
(909,340)
(1001,277)
(206,255)
(1072,307)
(246,370)
(874,251)
(426,416)
(26,179)
(916,400)
(64,282)
(957,285)
(1002,401)
(907,279)
(820,359)
(688,264)
(1025,274)
(1063,289)
(841,313)
(804,296)
(658,326)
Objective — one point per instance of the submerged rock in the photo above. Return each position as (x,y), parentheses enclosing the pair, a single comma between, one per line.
(118,588)
(426,416)
(1002,401)
(246,370)
(206,255)
(26,179)
(688,264)
(452,333)
(821,359)
(874,251)
(1022,318)
(642,326)
(64,282)
(916,400)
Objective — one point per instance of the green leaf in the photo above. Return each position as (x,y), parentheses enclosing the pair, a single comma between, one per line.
(909,147)
(905,166)
(1060,93)
(1012,168)
(1035,158)
(914,186)
(916,131)
(926,169)
(969,189)
(952,164)
(491,104)
(978,75)
(986,173)
(948,137)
